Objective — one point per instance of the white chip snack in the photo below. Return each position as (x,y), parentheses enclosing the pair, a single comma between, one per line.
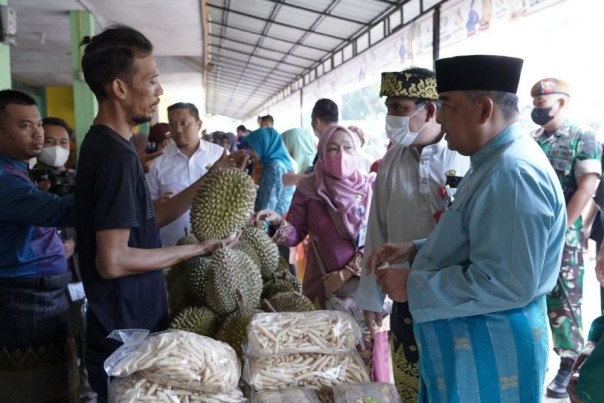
(328,332)
(290,395)
(135,388)
(179,359)
(374,392)
(304,369)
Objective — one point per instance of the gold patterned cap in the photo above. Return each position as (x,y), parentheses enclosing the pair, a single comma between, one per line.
(409,85)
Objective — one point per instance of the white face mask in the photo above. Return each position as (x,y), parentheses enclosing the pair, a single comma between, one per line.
(54,157)
(32,162)
(397,129)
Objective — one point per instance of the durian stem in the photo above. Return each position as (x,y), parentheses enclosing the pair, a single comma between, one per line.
(268,305)
(239,298)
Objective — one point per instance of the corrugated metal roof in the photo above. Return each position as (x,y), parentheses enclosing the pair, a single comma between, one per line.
(256,48)
(252,52)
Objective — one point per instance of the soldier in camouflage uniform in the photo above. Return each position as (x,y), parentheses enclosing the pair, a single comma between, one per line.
(575,155)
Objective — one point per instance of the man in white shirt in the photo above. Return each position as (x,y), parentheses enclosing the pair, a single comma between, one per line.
(408,197)
(182,163)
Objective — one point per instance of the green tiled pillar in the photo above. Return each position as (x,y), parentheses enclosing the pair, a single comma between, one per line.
(5,79)
(85,105)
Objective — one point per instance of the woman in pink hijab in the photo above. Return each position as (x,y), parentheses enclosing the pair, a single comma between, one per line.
(332,206)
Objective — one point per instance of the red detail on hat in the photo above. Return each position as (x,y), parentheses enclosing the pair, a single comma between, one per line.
(548,86)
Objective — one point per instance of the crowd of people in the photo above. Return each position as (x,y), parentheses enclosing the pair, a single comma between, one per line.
(471,227)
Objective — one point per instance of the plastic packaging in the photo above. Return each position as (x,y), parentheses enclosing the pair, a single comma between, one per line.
(135,388)
(290,395)
(176,358)
(328,332)
(376,392)
(304,369)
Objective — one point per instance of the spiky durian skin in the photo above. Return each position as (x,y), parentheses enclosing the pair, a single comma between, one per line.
(234,329)
(178,299)
(233,282)
(249,250)
(266,249)
(291,301)
(187,240)
(276,287)
(223,203)
(171,274)
(197,319)
(196,272)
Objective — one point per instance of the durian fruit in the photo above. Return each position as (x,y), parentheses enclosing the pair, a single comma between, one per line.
(249,250)
(172,273)
(266,249)
(281,282)
(188,239)
(290,302)
(232,276)
(282,266)
(196,272)
(178,299)
(223,204)
(234,329)
(275,287)
(196,319)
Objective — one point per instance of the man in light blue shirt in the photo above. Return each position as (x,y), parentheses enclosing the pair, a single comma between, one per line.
(476,286)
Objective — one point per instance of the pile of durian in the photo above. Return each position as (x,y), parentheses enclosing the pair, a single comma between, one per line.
(218,295)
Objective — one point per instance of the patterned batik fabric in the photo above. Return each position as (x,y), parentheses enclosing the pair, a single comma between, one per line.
(38,356)
(497,357)
(405,357)
(564,302)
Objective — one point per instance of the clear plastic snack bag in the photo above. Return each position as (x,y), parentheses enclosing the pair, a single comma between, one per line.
(288,395)
(175,358)
(375,392)
(304,369)
(328,332)
(136,388)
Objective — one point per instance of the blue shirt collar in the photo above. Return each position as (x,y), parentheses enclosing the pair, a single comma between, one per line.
(503,138)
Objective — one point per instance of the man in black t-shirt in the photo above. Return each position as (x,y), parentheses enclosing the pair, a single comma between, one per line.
(117,223)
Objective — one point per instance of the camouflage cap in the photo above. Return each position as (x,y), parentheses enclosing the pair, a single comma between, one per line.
(550,86)
(408,84)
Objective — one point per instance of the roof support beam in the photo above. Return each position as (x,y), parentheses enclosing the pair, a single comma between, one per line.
(247,31)
(261,47)
(272,21)
(311,10)
(262,57)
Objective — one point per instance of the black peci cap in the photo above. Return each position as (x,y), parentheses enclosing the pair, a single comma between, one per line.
(478,73)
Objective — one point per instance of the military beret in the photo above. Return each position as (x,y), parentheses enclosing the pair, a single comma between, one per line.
(550,86)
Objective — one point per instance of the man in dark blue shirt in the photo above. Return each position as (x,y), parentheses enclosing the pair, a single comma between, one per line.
(35,345)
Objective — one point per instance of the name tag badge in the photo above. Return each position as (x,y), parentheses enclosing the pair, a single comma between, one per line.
(76,291)
(362,234)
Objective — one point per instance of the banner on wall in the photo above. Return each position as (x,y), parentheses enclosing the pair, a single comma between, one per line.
(464,18)
(421,31)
